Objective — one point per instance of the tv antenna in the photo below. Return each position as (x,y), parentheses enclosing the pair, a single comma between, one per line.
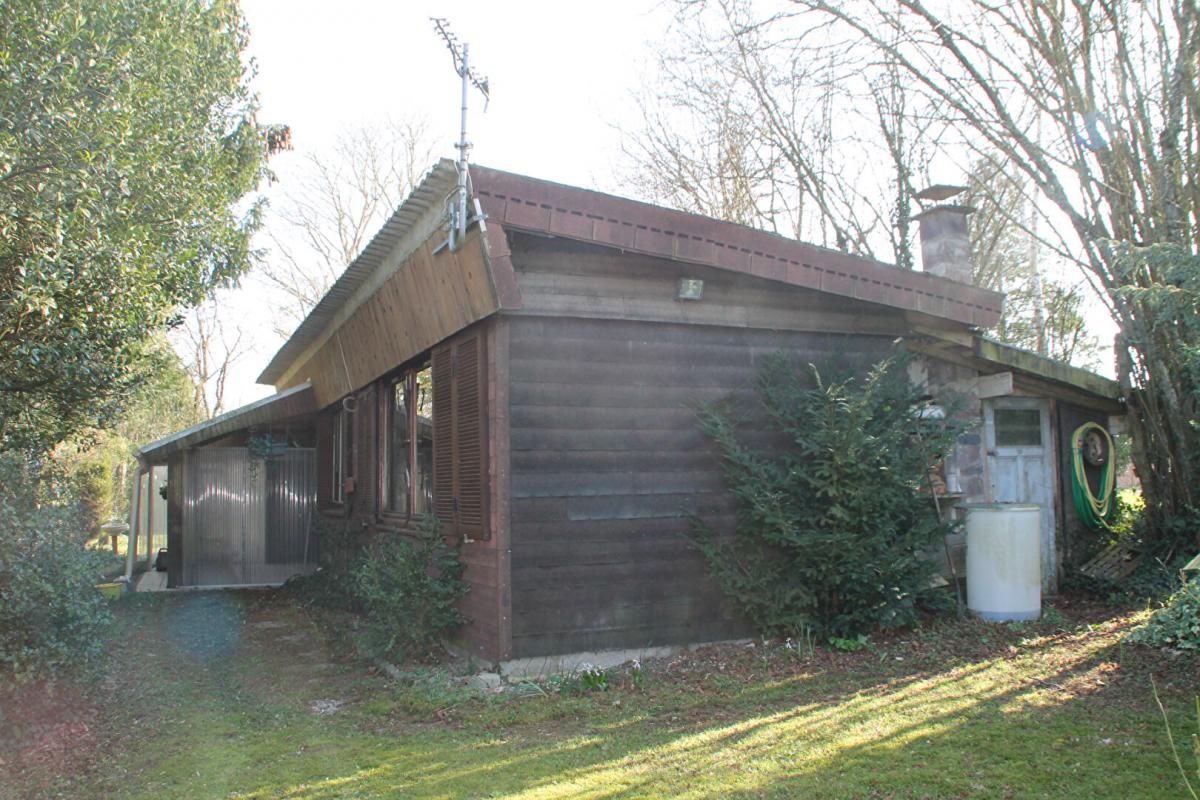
(458,210)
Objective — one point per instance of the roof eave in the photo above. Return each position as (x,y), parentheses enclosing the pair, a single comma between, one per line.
(348,290)
(290,404)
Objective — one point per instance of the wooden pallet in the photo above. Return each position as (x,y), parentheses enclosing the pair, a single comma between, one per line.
(1113,564)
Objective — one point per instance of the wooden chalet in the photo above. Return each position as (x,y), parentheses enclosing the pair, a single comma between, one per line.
(534,387)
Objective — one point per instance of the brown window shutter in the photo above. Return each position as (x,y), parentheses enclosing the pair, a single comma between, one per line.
(469,436)
(442,367)
(459,440)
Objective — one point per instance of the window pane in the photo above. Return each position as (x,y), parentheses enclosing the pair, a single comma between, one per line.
(1018,427)
(424,466)
(398,449)
(337,457)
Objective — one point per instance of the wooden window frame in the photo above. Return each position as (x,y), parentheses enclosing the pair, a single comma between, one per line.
(408,377)
(337,457)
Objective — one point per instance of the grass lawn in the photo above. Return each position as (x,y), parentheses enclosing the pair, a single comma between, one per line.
(240,695)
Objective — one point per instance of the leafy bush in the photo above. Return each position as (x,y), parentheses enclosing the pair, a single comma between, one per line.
(834,521)
(409,590)
(1177,624)
(94,486)
(329,586)
(51,615)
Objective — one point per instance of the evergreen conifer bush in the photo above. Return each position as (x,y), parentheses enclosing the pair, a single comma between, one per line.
(835,524)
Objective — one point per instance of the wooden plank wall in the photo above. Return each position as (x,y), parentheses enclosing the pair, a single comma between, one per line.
(487,604)
(427,299)
(606,460)
(606,367)
(564,278)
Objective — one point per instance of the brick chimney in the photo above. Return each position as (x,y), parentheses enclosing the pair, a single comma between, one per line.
(945,247)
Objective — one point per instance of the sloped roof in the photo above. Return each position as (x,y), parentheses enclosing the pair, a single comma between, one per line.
(286,405)
(431,193)
(521,203)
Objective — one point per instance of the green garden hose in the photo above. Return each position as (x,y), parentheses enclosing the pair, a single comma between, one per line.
(1096,512)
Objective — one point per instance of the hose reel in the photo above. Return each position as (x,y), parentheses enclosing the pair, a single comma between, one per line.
(1092,444)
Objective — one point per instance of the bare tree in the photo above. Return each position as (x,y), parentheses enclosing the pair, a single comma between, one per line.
(779,123)
(338,199)
(209,347)
(1095,103)
(757,123)
(1041,313)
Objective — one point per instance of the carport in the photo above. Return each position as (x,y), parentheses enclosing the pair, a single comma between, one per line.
(239,494)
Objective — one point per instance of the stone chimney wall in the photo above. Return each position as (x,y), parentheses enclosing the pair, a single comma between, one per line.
(945,246)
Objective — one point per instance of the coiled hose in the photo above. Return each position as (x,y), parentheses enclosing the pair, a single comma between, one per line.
(1096,512)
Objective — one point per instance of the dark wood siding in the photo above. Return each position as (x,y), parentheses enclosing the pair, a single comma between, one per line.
(366,454)
(459,426)
(606,461)
(472,477)
(580,280)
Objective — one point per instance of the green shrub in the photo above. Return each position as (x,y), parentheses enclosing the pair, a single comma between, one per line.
(409,590)
(340,546)
(583,679)
(51,615)
(1176,624)
(834,520)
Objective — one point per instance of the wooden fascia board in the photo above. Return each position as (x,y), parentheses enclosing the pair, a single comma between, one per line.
(427,299)
(500,266)
(1039,366)
(410,243)
(1042,387)
(546,208)
(1028,376)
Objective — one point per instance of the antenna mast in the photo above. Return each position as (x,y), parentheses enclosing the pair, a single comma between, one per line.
(462,67)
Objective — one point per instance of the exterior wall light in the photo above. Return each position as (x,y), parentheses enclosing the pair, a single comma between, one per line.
(690,289)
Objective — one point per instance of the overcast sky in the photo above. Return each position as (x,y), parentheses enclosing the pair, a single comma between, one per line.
(560,73)
(561,77)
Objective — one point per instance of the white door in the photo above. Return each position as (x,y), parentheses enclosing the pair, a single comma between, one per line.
(1021,465)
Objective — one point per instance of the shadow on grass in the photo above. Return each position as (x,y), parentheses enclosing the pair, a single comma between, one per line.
(1033,720)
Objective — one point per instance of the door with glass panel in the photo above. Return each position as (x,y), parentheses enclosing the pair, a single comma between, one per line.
(1021,466)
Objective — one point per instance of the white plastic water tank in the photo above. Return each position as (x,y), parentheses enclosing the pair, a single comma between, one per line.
(1004,566)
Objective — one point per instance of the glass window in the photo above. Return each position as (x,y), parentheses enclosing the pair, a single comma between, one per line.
(408,467)
(423,411)
(399,445)
(337,455)
(1018,427)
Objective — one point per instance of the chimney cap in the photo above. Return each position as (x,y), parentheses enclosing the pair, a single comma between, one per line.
(946,209)
(939,192)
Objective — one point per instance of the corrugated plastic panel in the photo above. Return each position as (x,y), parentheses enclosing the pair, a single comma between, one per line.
(291,491)
(246,520)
